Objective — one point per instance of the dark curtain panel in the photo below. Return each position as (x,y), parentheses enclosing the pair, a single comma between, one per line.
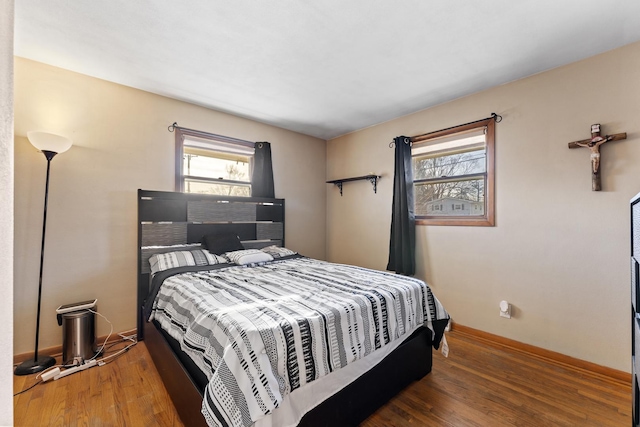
(402,257)
(262,178)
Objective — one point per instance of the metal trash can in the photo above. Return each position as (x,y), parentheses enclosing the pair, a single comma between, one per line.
(78,335)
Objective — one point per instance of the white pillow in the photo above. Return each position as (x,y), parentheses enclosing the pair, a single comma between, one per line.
(248,256)
(277,251)
(165,261)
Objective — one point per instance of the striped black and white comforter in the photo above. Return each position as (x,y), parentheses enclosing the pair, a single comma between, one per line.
(259,333)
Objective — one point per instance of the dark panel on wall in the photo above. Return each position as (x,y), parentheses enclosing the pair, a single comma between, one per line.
(164,234)
(244,231)
(212,211)
(269,230)
(270,213)
(155,210)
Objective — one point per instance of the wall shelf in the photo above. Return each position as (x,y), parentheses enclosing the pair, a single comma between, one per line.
(373,179)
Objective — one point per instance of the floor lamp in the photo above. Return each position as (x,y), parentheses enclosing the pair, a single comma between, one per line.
(50,145)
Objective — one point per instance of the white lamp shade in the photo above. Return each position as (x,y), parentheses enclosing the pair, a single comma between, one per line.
(44,141)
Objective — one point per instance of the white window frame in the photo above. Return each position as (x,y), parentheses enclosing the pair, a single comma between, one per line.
(214,144)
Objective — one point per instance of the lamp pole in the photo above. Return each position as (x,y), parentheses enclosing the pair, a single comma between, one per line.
(49,155)
(39,363)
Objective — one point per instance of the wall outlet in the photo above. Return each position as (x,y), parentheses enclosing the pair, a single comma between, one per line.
(505,309)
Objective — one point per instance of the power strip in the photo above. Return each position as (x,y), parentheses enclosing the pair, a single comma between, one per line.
(50,374)
(69,371)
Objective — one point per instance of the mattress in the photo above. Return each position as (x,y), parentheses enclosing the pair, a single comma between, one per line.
(263,334)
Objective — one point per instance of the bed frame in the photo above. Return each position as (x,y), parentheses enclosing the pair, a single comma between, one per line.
(168,218)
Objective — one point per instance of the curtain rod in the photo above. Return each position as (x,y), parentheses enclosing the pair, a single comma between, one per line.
(194,132)
(494,116)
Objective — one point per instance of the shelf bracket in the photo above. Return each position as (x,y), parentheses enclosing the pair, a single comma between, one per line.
(374,181)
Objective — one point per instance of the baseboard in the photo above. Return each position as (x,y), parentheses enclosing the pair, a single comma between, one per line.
(548,355)
(57,350)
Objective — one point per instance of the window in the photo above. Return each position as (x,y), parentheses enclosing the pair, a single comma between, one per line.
(453,173)
(213,164)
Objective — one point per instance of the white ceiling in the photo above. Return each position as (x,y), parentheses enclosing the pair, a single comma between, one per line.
(325,67)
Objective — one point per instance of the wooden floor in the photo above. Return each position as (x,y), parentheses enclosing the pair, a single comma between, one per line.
(480,384)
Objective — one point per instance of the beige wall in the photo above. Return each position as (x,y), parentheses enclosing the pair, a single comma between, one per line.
(559,252)
(121,143)
(6,209)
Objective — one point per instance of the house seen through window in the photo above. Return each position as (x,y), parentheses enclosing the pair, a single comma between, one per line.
(211,164)
(453,175)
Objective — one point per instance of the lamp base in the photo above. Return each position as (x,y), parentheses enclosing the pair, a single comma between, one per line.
(31,366)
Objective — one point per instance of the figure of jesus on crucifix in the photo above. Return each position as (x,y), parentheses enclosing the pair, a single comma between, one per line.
(594,144)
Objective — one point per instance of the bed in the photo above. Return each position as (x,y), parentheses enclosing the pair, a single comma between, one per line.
(303,350)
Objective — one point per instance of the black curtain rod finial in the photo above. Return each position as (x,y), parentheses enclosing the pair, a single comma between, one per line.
(173,127)
(406,140)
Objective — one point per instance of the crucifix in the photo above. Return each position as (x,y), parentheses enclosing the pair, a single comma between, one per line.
(594,144)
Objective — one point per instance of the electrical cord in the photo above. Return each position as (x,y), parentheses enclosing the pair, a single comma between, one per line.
(38,378)
(108,348)
(101,362)
(51,368)
(122,339)
(28,388)
(111,356)
(106,339)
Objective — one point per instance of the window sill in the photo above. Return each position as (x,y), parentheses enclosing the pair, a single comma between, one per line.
(455,221)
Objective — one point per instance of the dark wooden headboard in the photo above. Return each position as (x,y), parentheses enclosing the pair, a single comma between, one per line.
(168,218)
